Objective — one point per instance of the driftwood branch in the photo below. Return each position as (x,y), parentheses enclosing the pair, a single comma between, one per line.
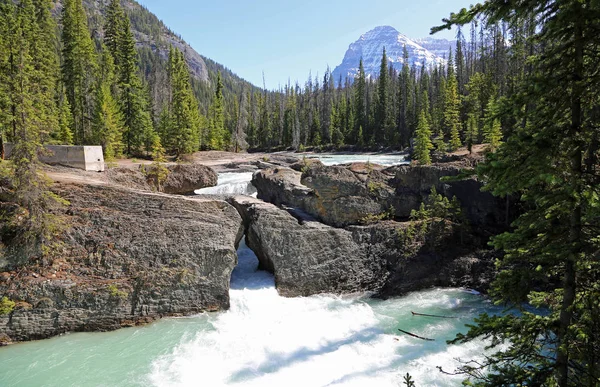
(415,336)
(431,315)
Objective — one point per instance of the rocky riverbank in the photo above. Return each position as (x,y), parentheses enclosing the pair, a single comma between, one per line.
(125,258)
(327,230)
(127,255)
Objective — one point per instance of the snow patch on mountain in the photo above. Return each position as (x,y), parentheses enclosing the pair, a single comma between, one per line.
(370,48)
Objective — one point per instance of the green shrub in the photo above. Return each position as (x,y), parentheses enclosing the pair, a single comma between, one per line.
(116,293)
(374,187)
(374,218)
(6,306)
(436,218)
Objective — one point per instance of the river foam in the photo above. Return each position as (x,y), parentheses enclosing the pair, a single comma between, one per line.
(326,340)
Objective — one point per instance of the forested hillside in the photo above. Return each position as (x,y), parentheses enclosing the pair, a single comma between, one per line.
(130,84)
(153,39)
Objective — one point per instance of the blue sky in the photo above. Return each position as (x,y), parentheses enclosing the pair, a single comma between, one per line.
(289,38)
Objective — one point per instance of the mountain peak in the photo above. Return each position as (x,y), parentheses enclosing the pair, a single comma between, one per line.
(370,46)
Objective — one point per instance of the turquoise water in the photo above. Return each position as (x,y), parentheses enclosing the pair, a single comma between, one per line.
(263,340)
(381,159)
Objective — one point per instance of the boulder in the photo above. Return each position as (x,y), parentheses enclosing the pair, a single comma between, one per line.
(305,164)
(187,178)
(335,195)
(182,179)
(124,258)
(348,195)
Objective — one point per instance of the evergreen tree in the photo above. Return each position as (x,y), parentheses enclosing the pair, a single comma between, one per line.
(27,114)
(383,100)
(550,254)
(452,111)
(138,129)
(492,132)
(423,145)
(107,124)
(493,136)
(44,48)
(216,135)
(184,131)
(239,135)
(64,135)
(360,103)
(472,132)
(403,98)
(113,29)
(79,67)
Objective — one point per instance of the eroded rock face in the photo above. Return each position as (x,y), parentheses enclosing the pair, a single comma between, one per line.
(182,179)
(308,257)
(337,196)
(414,183)
(127,258)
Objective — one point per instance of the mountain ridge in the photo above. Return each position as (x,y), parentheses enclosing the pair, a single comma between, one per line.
(370,46)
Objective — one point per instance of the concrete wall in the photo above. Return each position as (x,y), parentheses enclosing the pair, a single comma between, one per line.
(88,158)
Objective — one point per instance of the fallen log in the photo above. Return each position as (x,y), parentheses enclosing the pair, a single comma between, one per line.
(431,315)
(415,336)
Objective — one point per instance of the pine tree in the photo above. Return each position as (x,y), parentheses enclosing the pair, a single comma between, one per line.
(361,137)
(107,124)
(403,99)
(239,135)
(492,132)
(113,29)
(493,137)
(217,136)
(423,145)
(383,101)
(138,129)
(472,132)
(44,48)
(183,135)
(360,102)
(550,255)
(452,111)
(79,67)
(64,135)
(27,114)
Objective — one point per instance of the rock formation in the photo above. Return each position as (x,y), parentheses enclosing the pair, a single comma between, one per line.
(187,178)
(308,257)
(344,195)
(125,258)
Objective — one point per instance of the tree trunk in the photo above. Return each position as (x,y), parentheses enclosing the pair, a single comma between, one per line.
(570,276)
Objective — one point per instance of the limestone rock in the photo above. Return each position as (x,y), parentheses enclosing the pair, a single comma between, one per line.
(126,258)
(345,195)
(308,257)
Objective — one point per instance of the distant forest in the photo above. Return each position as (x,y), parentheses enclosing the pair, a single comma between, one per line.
(130,93)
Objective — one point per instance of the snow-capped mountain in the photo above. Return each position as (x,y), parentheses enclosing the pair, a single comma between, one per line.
(439,47)
(370,48)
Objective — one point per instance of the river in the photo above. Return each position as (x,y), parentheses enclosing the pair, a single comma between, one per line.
(264,340)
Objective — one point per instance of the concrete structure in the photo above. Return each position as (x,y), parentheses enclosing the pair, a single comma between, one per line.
(88,158)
